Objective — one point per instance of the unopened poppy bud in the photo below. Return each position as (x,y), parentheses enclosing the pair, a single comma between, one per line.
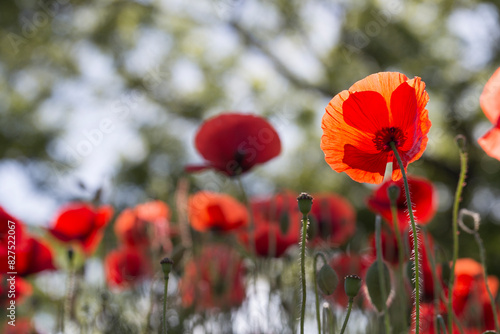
(373,285)
(490,332)
(305,203)
(352,285)
(166,266)
(327,280)
(393,192)
(461,143)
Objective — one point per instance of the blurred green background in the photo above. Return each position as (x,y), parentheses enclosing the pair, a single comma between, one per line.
(109,94)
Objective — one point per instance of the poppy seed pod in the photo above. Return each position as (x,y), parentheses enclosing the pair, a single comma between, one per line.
(352,285)
(327,280)
(166,266)
(373,285)
(393,192)
(305,203)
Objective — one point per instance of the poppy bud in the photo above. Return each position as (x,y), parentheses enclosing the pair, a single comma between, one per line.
(373,285)
(461,143)
(393,193)
(166,266)
(305,203)
(352,284)
(327,280)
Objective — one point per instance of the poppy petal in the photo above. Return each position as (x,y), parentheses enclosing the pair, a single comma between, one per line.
(384,83)
(364,166)
(490,142)
(366,111)
(490,98)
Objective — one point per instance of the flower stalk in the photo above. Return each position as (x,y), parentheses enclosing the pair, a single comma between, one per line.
(416,262)
(458,194)
(305,203)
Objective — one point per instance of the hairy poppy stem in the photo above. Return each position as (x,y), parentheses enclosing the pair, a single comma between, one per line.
(437,290)
(318,315)
(166,266)
(456,203)
(381,278)
(349,307)
(416,266)
(303,271)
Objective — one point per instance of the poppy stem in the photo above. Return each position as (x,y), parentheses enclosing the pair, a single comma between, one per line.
(166,266)
(437,290)
(442,326)
(381,278)
(349,307)
(305,222)
(456,203)
(416,265)
(318,315)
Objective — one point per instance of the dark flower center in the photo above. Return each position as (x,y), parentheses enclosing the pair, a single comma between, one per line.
(384,137)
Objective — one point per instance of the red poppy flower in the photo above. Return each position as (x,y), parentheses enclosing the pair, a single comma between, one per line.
(348,264)
(390,249)
(332,220)
(145,224)
(20,289)
(360,123)
(214,279)
(490,103)
(423,197)
(31,255)
(277,224)
(233,143)
(82,223)
(219,212)
(125,267)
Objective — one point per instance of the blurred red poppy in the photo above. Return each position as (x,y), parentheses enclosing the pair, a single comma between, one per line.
(277,224)
(360,123)
(390,249)
(213,279)
(348,264)
(144,225)
(332,220)
(423,197)
(233,143)
(82,223)
(490,103)
(126,267)
(29,255)
(217,212)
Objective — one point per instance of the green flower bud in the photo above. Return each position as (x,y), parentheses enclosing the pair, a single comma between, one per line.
(373,285)
(461,143)
(166,266)
(393,192)
(327,280)
(305,203)
(352,285)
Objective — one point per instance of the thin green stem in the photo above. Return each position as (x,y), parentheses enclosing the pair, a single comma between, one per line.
(381,278)
(482,256)
(251,225)
(442,325)
(318,315)
(416,267)
(456,203)
(349,307)
(165,305)
(303,271)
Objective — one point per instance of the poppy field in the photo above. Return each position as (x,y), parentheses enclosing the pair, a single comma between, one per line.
(168,169)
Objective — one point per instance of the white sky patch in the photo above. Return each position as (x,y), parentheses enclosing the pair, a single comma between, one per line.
(479,29)
(324,26)
(18,193)
(187,76)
